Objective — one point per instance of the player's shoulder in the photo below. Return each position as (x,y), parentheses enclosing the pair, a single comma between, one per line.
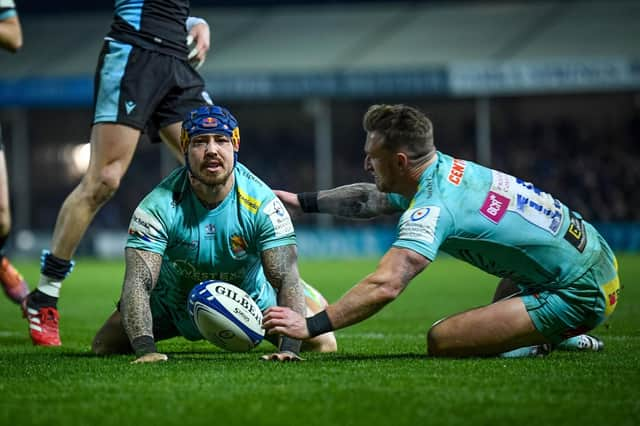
(252,192)
(458,177)
(168,193)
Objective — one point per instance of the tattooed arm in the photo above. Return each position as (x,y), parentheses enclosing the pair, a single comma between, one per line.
(281,269)
(358,200)
(141,276)
(394,272)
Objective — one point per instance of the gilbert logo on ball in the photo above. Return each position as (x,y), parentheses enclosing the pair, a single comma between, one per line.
(226,315)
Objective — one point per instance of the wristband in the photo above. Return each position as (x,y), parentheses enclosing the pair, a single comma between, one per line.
(290,345)
(192,21)
(143,345)
(308,202)
(319,324)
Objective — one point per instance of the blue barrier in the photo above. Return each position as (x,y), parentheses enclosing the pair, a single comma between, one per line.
(375,241)
(621,236)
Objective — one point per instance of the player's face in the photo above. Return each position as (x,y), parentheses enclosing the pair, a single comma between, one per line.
(211,158)
(379,161)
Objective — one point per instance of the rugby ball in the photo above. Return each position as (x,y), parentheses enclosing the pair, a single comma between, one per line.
(226,315)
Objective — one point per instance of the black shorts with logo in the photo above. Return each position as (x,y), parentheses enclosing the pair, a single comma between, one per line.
(139,87)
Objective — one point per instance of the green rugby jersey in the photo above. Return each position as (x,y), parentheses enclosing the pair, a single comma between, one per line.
(198,244)
(499,223)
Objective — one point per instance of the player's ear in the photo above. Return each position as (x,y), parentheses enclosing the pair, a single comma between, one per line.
(235,138)
(402,160)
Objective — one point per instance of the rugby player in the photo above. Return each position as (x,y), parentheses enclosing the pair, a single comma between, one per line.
(559,276)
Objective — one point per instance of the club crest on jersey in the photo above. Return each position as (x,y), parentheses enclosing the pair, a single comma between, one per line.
(209,230)
(456,173)
(238,246)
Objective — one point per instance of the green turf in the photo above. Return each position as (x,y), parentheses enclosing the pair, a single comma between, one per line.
(379,376)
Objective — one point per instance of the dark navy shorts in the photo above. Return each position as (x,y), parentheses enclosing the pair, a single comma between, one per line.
(139,87)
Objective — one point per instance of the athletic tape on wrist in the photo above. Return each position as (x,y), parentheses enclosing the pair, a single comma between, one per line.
(290,345)
(192,21)
(143,345)
(319,324)
(308,202)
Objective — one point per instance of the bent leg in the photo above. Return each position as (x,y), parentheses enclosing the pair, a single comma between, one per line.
(112,339)
(506,288)
(5,211)
(315,303)
(112,149)
(489,330)
(170,135)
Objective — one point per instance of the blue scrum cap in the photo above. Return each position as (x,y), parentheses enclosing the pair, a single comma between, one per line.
(209,119)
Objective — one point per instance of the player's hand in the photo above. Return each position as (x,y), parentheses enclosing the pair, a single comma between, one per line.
(282,320)
(152,357)
(284,356)
(290,201)
(198,42)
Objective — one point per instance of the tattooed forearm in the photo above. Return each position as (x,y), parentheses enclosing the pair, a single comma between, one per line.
(281,269)
(359,200)
(140,278)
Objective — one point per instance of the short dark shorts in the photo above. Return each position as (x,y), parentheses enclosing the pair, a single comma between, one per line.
(139,87)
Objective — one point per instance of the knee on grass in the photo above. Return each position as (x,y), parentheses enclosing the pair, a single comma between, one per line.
(439,343)
(102,347)
(324,343)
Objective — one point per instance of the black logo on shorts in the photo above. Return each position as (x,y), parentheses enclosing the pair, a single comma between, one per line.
(576,235)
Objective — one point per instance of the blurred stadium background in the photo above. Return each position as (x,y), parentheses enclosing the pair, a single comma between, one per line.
(545,90)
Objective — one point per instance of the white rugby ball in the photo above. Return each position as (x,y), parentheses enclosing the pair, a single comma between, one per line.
(226,315)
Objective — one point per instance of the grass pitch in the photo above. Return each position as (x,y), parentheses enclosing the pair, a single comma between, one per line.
(380,375)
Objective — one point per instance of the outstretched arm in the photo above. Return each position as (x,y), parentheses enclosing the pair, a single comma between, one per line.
(281,269)
(141,276)
(358,200)
(391,277)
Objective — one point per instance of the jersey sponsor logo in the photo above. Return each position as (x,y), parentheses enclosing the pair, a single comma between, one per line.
(428,187)
(538,207)
(419,224)
(456,173)
(612,290)
(190,245)
(535,206)
(248,202)
(144,226)
(279,218)
(576,235)
(188,271)
(494,206)
(238,246)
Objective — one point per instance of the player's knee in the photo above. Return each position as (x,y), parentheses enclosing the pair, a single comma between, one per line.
(98,346)
(437,341)
(100,188)
(104,345)
(328,343)
(5,221)
(324,343)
